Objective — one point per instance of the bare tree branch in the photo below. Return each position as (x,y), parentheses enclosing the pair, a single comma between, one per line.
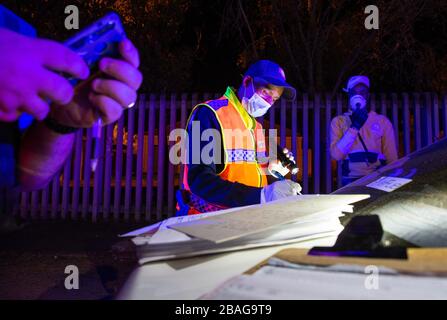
(286,43)
(250,31)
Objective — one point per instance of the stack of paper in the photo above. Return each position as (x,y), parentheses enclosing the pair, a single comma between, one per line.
(254,219)
(294,219)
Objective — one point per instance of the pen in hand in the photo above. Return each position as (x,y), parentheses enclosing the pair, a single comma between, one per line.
(281,177)
(96,136)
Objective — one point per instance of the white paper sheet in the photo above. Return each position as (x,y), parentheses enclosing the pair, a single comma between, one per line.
(284,283)
(276,262)
(168,235)
(323,222)
(389,184)
(174,220)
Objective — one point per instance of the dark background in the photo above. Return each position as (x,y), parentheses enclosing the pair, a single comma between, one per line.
(203,45)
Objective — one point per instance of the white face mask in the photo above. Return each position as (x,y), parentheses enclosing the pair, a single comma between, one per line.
(256,106)
(357,102)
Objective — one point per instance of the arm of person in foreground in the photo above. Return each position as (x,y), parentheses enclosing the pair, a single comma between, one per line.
(36,64)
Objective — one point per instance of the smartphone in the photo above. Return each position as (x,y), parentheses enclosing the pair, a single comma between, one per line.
(98,40)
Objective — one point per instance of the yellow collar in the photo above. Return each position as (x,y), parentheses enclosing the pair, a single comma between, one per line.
(249,121)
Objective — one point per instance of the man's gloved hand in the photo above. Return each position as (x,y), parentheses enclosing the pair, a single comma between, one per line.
(279,189)
(358,118)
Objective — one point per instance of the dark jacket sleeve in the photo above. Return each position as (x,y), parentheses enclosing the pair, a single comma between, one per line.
(9,187)
(203,178)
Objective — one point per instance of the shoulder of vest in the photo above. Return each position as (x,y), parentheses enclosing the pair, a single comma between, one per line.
(217,104)
(258,125)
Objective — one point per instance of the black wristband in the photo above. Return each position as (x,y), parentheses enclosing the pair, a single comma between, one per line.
(58,128)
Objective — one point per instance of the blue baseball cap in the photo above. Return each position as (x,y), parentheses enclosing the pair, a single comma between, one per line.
(355,80)
(269,72)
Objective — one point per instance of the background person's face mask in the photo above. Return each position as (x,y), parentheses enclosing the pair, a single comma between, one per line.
(357,102)
(256,106)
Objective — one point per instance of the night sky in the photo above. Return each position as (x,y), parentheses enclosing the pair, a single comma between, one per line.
(203,46)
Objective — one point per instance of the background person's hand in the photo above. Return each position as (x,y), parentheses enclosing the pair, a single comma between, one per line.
(280,189)
(105,95)
(29,75)
(358,118)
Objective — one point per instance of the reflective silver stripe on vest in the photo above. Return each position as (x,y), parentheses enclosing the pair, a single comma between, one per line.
(236,155)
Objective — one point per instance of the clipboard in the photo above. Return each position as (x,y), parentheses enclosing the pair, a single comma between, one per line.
(421,261)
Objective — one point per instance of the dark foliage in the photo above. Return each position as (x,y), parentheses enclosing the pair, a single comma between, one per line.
(203,45)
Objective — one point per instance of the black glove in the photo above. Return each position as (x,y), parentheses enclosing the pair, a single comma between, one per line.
(358,118)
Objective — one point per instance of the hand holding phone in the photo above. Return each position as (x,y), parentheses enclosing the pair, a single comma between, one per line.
(114,79)
(30,75)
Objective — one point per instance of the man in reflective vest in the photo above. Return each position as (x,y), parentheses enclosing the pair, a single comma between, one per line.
(363,140)
(231,169)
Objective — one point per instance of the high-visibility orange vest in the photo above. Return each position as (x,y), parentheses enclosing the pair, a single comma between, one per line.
(244,146)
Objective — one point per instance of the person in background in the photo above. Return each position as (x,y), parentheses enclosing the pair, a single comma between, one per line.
(30,77)
(237,176)
(363,140)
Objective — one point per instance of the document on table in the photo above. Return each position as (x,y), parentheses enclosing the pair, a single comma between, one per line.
(149,230)
(270,283)
(389,184)
(246,221)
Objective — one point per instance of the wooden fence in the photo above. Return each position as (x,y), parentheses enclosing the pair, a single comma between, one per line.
(135,181)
